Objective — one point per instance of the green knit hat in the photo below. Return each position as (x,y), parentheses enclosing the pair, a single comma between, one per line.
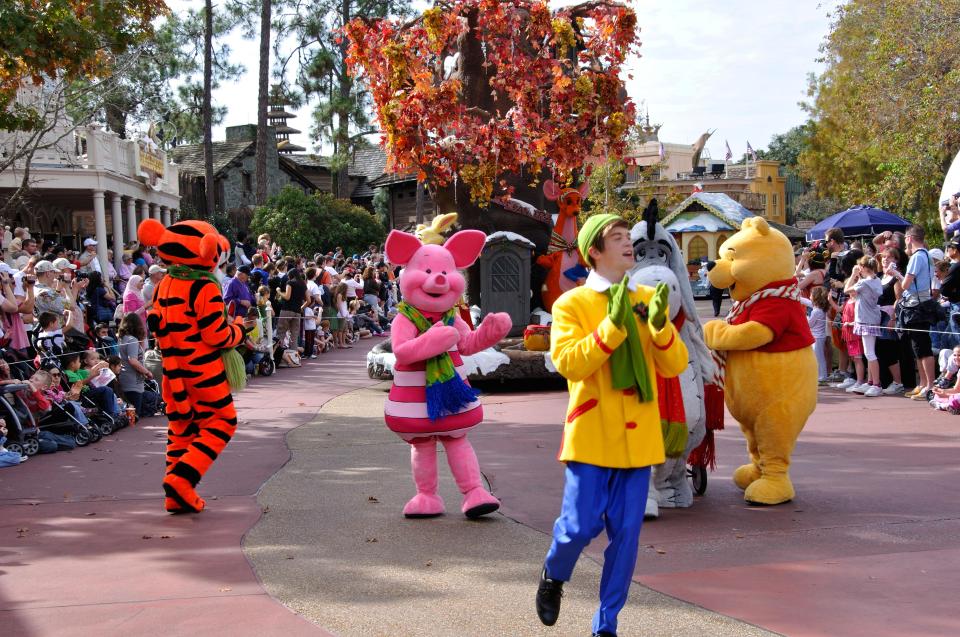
(591,230)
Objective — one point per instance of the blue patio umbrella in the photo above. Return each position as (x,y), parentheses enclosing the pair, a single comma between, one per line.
(858,221)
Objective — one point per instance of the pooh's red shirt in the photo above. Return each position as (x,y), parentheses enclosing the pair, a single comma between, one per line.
(785,317)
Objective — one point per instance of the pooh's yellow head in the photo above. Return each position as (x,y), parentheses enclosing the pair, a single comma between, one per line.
(752,258)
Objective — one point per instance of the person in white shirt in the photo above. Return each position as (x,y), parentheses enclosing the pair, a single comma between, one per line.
(313,289)
(154,275)
(353,284)
(88,260)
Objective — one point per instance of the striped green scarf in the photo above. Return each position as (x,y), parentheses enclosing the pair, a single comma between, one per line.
(233,365)
(446,391)
(628,366)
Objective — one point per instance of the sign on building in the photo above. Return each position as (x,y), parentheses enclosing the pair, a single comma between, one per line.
(150,162)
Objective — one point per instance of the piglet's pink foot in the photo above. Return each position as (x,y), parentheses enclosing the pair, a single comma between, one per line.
(424,505)
(478,502)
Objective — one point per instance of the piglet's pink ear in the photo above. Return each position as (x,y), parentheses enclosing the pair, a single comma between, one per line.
(550,190)
(465,246)
(400,247)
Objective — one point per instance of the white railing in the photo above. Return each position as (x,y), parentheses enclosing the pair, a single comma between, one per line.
(91,149)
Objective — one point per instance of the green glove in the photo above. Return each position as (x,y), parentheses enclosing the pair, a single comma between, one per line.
(674,438)
(658,306)
(618,307)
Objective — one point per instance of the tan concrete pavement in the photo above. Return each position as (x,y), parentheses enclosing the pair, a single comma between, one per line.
(333,546)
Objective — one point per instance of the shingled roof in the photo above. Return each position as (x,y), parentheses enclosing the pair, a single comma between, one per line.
(190,158)
(387,179)
(368,162)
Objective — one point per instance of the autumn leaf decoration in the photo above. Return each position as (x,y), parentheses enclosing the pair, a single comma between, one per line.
(553,78)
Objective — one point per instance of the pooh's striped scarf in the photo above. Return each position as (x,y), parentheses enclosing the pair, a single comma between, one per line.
(788,291)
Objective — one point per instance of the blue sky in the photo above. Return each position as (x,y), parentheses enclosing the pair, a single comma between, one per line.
(739,66)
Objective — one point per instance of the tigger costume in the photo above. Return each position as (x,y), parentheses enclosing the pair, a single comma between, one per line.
(190,326)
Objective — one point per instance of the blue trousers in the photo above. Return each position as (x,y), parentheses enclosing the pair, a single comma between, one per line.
(597,498)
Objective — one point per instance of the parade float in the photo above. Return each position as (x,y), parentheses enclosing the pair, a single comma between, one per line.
(485,102)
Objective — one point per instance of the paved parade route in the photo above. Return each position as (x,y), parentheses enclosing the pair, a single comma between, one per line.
(867,548)
(88,550)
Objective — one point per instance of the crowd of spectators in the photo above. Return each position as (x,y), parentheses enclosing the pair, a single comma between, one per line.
(307,306)
(74,338)
(889,306)
(73,341)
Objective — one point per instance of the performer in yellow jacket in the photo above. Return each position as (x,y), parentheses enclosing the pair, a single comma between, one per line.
(609,339)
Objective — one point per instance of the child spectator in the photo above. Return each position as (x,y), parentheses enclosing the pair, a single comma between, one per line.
(35,399)
(343,315)
(867,287)
(946,399)
(364,318)
(103,396)
(104,342)
(8,458)
(853,345)
(325,337)
(817,320)
(310,327)
(50,338)
(289,352)
(67,400)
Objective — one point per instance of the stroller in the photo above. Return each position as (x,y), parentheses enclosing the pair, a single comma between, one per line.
(22,430)
(260,359)
(62,421)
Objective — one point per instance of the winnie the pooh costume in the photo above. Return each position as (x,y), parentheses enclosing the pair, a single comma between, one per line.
(770,373)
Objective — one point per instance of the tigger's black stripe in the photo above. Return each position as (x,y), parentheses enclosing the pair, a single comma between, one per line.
(186,472)
(213,381)
(178,251)
(175,374)
(217,404)
(220,434)
(205,449)
(206,359)
(187,230)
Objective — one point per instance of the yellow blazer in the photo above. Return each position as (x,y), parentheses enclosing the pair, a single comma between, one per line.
(607,427)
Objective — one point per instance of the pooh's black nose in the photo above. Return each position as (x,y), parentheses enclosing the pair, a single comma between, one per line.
(711,265)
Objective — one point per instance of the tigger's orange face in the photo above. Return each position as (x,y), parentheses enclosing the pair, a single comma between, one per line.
(192,243)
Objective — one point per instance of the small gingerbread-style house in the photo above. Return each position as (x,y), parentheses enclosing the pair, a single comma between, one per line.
(704,220)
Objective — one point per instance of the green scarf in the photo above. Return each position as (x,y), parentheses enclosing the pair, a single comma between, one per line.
(233,365)
(446,391)
(627,363)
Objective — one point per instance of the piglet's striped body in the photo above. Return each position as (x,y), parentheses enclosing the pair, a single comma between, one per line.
(405,409)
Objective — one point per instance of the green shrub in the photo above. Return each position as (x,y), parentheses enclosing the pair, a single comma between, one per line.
(307,224)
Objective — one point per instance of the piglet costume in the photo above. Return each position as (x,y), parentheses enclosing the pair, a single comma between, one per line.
(431,400)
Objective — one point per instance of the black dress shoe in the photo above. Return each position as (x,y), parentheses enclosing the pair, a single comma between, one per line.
(548,599)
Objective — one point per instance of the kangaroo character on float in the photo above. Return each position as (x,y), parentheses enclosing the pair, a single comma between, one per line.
(562,261)
(431,400)
(659,259)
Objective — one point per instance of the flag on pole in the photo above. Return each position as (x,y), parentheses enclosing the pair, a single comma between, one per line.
(663,152)
(750,150)
(729,155)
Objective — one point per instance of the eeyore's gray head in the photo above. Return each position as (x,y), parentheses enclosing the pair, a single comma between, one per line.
(653,245)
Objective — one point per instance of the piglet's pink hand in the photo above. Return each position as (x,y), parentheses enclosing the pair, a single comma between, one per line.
(442,336)
(496,326)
